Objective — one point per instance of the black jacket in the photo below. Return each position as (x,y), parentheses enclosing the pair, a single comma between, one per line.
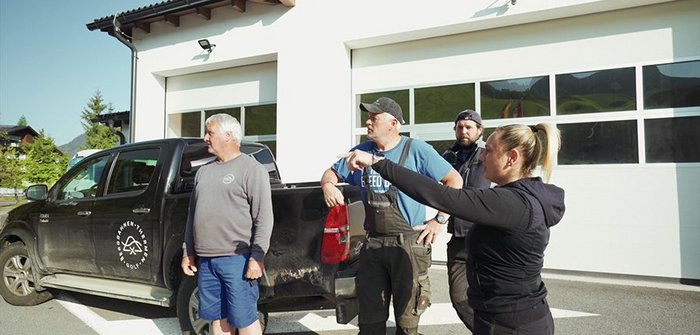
(472,171)
(507,242)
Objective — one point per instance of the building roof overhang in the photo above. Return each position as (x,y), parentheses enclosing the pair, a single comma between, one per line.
(169,11)
(117,119)
(18,130)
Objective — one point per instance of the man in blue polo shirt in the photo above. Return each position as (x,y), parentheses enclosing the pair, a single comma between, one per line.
(395,258)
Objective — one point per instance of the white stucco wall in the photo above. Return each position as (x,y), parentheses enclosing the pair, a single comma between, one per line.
(634,219)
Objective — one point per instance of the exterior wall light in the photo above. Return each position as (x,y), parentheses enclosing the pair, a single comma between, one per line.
(204,43)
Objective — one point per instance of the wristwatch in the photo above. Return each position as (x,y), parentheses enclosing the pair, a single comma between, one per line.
(441,219)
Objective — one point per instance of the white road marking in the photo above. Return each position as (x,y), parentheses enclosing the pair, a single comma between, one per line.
(166,326)
(565,313)
(82,312)
(287,322)
(437,314)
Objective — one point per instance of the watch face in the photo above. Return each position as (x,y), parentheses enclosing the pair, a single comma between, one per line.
(441,219)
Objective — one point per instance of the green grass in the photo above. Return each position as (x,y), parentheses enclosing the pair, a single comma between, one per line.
(9,203)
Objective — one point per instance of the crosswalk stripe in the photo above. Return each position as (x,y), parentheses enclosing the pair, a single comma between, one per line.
(437,314)
(282,322)
(564,313)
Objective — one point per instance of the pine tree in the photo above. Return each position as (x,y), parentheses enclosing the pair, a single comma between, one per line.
(44,163)
(11,165)
(22,121)
(97,136)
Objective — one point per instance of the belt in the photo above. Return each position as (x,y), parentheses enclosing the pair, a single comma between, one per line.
(375,234)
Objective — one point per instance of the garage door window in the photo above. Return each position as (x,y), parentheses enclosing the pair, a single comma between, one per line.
(185,124)
(441,103)
(613,142)
(597,111)
(258,122)
(672,140)
(596,91)
(401,97)
(672,85)
(515,98)
(235,112)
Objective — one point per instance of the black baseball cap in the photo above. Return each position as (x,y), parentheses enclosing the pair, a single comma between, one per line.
(468,114)
(384,105)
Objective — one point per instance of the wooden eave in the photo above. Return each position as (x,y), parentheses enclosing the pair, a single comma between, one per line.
(170,12)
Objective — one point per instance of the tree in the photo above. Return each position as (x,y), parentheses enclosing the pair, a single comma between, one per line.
(44,163)
(11,165)
(97,136)
(22,121)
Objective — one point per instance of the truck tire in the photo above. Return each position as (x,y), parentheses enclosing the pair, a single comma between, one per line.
(17,286)
(188,308)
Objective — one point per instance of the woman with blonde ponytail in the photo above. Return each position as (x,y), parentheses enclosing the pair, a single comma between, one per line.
(511,224)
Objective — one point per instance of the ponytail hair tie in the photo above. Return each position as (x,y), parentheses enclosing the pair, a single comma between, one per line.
(533,128)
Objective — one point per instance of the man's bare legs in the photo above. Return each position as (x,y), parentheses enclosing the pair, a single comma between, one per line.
(221,327)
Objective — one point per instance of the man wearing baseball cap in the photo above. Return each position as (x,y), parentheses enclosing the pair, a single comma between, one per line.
(396,255)
(463,155)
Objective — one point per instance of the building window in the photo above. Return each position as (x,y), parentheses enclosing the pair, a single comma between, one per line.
(588,136)
(596,91)
(674,140)
(672,85)
(442,103)
(441,146)
(613,142)
(514,98)
(261,120)
(185,124)
(235,112)
(258,123)
(401,97)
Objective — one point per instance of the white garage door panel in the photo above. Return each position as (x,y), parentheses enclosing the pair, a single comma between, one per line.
(591,42)
(612,223)
(245,85)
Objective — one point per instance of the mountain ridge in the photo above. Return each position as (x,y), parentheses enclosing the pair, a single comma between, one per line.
(69,149)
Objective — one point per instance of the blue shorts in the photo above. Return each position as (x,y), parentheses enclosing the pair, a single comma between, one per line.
(224,292)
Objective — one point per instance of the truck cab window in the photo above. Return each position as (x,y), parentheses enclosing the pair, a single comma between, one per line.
(133,171)
(85,180)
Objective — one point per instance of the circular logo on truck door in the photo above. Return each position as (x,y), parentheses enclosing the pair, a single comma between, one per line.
(132,245)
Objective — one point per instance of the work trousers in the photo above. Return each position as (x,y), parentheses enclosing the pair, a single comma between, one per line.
(457,279)
(536,320)
(393,267)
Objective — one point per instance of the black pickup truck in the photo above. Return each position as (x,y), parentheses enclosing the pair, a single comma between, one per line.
(113,226)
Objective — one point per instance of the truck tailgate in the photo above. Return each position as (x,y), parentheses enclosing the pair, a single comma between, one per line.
(293,263)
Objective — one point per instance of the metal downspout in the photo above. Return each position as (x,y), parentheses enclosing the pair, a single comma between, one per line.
(118,34)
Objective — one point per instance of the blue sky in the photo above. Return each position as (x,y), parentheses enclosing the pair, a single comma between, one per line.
(51,64)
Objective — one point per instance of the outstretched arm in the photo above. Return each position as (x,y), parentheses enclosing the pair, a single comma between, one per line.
(499,207)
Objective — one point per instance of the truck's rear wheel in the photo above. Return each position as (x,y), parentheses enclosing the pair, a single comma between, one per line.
(17,286)
(188,307)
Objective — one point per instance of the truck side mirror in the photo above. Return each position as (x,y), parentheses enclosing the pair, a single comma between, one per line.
(37,192)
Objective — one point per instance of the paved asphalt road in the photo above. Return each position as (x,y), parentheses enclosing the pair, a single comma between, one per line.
(580,307)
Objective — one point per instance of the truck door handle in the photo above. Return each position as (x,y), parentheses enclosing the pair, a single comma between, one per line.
(84,213)
(141,210)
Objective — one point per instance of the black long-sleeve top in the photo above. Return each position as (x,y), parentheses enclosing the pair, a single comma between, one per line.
(510,233)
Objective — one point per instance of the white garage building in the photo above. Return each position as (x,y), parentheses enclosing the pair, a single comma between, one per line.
(620,78)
